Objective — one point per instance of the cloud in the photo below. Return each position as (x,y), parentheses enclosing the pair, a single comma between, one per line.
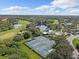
(69,7)
(65,3)
(60,7)
(43,8)
(16,10)
(56,7)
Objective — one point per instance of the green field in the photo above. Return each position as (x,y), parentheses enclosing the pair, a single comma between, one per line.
(3,57)
(10,34)
(30,53)
(75,41)
(54,21)
(23,22)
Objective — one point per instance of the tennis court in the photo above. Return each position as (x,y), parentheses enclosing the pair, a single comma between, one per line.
(41,45)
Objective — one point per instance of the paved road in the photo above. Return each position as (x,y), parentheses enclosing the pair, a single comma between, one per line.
(70,39)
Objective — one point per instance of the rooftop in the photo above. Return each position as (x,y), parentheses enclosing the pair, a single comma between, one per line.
(44,29)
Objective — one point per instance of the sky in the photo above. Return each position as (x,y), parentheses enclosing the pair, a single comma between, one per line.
(39,7)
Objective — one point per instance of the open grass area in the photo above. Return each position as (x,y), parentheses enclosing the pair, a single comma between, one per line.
(75,41)
(10,35)
(30,53)
(54,21)
(3,57)
(23,22)
(12,30)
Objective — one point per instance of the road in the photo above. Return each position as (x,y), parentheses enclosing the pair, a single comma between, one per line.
(70,39)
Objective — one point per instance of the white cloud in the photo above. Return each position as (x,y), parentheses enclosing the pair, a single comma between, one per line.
(69,7)
(65,3)
(56,7)
(15,10)
(43,8)
(61,7)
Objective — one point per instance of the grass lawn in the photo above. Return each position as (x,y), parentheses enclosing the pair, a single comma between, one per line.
(23,22)
(54,21)
(10,35)
(30,53)
(3,57)
(75,41)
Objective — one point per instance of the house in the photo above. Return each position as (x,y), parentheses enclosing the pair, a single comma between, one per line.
(68,24)
(44,29)
(59,32)
(41,45)
(17,25)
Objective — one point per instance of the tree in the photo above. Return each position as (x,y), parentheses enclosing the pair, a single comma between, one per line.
(26,35)
(77,46)
(35,31)
(62,51)
(5,25)
(18,38)
(19,55)
(59,38)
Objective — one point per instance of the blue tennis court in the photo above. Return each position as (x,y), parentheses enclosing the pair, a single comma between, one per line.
(41,45)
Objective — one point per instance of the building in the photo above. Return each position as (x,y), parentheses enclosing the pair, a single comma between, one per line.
(17,25)
(44,29)
(41,45)
(59,33)
(77,26)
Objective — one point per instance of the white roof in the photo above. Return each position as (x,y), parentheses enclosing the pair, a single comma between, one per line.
(17,25)
(42,27)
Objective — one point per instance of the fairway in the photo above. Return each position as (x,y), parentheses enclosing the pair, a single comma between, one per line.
(9,35)
(24,22)
(54,22)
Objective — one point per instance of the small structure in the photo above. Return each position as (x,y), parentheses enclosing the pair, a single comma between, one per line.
(44,29)
(69,24)
(17,25)
(59,32)
(41,45)
(4,19)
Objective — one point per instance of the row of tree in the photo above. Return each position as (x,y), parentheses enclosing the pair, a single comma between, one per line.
(5,25)
(63,50)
